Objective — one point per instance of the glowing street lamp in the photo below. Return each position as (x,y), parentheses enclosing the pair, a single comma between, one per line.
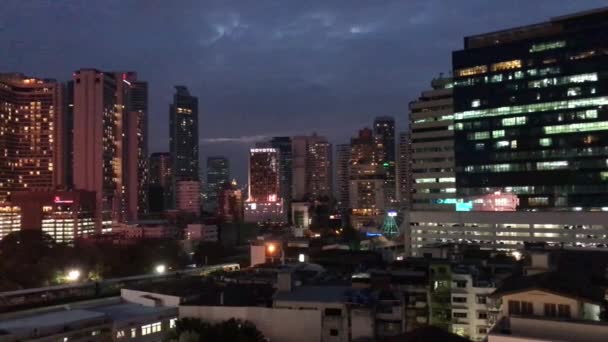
(72,275)
(160,269)
(271,248)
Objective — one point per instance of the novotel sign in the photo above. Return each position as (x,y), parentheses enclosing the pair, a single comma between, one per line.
(59,200)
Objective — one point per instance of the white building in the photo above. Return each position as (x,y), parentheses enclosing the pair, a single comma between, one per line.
(507,230)
(188,196)
(471,310)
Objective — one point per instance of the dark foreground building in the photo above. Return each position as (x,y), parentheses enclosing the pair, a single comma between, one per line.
(531,113)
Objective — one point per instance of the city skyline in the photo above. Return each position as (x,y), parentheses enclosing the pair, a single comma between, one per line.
(361,43)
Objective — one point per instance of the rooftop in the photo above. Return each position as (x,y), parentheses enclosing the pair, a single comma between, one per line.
(561,283)
(126,311)
(324,294)
(51,319)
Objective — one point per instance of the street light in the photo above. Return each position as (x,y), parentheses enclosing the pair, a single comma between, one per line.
(160,269)
(271,248)
(72,275)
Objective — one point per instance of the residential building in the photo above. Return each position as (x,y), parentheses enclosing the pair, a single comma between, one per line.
(230,203)
(97,161)
(183,137)
(109,141)
(366,181)
(32,132)
(264,203)
(530,113)
(312,169)
(188,196)
(161,182)
(556,305)
(342,176)
(286,169)
(384,132)
(404,171)
(432,148)
(218,173)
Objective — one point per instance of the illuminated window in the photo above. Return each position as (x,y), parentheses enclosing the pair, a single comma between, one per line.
(515,121)
(576,91)
(479,135)
(475,103)
(133,332)
(480,69)
(513,144)
(576,127)
(552,165)
(172,323)
(547,46)
(507,65)
(502,144)
(498,134)
(531,108)
(545,142)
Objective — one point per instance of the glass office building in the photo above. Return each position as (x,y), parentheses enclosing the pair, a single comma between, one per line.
(531,113)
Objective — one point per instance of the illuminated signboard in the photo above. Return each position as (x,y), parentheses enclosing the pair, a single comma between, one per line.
(59,200)
(392,213)
(464,206)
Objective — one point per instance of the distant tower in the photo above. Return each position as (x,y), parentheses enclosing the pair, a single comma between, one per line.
(342,160)
(384,132)
(312,167)
(218,173)
(183,140)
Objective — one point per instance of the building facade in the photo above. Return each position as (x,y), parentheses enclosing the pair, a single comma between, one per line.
(218,173)
(342,177)
(188,196)
(432,148)
(506,230)
(366,181)
(264,203)
(230,203)
(530,113)
(31,134)
(384,131)
(312,168)
(404,171)
(183,137)
(286,164)
(161,182)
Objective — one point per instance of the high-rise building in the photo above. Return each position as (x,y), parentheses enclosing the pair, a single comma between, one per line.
(264,203)
(218,173)
(135,150)
(184,135)
(109,141)
(366,181)
(97,163)
(31,134)
(432,149)
(312,170)
(284,147)
(161,182)
(384,132)
(188,196)
(230,203)
(404,171)
(342,180)
(531,113)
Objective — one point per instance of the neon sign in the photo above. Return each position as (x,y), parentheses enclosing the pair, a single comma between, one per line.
(59,200)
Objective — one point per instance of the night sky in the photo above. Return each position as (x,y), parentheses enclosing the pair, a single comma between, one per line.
(261,68)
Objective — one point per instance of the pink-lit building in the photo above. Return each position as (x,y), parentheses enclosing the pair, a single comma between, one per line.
(264,203)
(188,196)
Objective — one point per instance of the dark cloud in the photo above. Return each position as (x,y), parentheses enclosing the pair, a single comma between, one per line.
(261,68)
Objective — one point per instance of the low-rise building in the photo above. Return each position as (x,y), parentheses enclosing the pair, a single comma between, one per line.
(507,231)
(550,306)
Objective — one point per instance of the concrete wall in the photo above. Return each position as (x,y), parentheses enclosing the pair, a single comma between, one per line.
(523,329)
(538,300)
(276,324)
(150,299)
